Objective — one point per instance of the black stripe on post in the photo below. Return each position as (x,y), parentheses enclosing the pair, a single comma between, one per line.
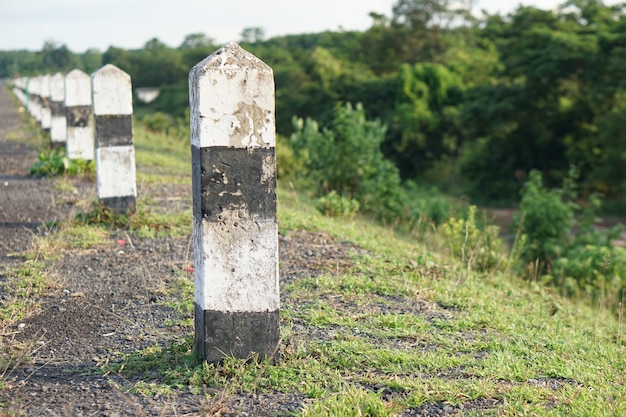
(57,108)
(234,179)
(120,204)
(78,116)
(114,130)
(236,334)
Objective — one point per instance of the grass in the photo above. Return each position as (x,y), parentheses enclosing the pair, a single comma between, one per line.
(395,332)
(395,328)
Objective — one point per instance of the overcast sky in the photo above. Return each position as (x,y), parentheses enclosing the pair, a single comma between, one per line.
(129,24)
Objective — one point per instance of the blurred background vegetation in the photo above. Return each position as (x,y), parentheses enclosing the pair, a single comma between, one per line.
(432,106)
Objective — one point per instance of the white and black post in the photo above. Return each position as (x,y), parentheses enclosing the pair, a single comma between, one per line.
(46,116)
(112,99)
(78,116)
(58,125)
(34,90)
(233,140)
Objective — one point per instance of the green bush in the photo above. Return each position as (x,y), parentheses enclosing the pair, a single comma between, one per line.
(335,205)
(52,163)
(158,122)
(287,164)
(592,271)
(429,205)
(347,158)
(545,217)
(574,256)
(481,248)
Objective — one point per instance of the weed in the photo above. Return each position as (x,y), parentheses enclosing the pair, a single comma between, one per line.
(145,223)
(351,401)
(479,248)
(334,205)
(51,163)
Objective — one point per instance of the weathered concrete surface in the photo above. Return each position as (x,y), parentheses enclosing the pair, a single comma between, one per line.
(233,139)
(115,154)
(80,140)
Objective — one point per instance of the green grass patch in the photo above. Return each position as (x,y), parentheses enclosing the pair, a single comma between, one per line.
(390,334)
(146,224)
(53,162)
(22,286)
(406,323)
(161,154)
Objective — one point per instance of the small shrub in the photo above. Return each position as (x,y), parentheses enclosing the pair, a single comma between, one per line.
(158,122)
(573,255)
(429,204)
(592,271)
(287,164)
(335,205)
(51,163)
(347,158)
(545,217)
(482,248)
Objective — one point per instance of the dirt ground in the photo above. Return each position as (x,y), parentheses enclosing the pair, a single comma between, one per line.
(105,300)
(111,300)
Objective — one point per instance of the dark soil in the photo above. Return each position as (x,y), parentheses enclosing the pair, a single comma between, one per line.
(111,300)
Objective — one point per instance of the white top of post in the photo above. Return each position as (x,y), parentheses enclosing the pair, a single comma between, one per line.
(57,87)
(45,85)
(235,98)
(77,89)
(112,91)
(34,85)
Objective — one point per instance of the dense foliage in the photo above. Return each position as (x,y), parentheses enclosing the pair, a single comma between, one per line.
(470,104)
(487,107)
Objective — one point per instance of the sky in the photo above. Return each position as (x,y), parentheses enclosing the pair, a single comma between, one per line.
(129,24)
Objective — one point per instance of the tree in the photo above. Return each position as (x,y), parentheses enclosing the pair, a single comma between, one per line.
(92,60)
(420,15)
(252,35)
(56,57)
(426,117)
(197,40)
(346,158)
(559,75)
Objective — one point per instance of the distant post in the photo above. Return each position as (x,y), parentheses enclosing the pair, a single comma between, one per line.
(80,142)
(35,100)
(235,233)
(46,117)
(58,125)
(115,153)
(20,90)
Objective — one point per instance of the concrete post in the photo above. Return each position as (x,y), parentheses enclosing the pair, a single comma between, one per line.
(58,124)
(115,153)
(19,89)
(78,115)
(46,117)
(233,139)
(35,99)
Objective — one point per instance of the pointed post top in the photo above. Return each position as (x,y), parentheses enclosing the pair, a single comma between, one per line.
(110,70)
(76,73)
(231,100)
(230,57)
(77,88)
(57,87)
(111,91)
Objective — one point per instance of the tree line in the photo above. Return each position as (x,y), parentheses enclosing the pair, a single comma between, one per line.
(469,104)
